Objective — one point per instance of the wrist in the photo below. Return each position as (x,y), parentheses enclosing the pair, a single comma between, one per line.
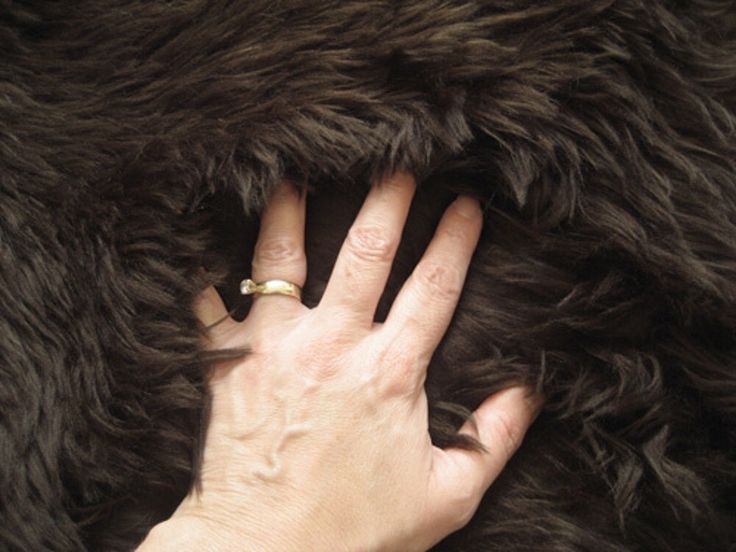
(221,526)
(182,533)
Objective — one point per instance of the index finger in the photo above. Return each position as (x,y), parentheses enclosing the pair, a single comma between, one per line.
(424,307)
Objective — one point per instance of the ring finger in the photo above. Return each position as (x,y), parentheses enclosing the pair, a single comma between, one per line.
(279,251)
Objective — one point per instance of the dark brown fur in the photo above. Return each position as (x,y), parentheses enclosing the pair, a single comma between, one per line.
(600,135)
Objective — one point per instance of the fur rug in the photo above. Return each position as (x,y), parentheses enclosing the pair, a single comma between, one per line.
(600,134)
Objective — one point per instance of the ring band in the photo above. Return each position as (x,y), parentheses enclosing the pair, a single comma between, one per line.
(270,287)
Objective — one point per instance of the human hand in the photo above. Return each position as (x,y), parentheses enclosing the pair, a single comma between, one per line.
(318,439)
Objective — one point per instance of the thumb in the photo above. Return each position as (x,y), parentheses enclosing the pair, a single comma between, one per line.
(461,477)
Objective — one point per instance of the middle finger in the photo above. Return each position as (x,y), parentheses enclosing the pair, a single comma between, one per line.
(364,262)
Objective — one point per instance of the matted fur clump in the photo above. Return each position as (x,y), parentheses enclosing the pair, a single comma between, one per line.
(600,134)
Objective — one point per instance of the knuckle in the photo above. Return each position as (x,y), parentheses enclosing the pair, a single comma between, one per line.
(439,280)
(278,250)
(370,243)
(454,232)
(403,372)
(317,361)
(507,432)
(321,358)
(464,505)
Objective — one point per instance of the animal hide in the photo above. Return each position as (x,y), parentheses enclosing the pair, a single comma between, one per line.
(139,139)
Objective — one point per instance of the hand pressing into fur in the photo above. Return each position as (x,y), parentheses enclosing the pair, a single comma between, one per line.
(318,439)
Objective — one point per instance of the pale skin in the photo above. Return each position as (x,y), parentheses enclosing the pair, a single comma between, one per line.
(318,440)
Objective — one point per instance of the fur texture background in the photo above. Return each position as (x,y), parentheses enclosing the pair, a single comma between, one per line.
(601,135)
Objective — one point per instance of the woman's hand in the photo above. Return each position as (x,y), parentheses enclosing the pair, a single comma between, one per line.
(318,439)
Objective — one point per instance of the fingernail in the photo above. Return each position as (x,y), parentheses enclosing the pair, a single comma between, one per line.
(467,206)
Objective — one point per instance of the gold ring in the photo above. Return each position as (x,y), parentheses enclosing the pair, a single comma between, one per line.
(270,287)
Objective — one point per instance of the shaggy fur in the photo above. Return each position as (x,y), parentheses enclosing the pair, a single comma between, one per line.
(600,134)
